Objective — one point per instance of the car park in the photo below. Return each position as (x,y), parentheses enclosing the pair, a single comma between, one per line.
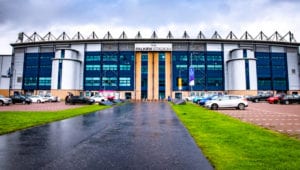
(79,100)
(5,100)
(290,99)
(37,99)
(21,99)
(227,101)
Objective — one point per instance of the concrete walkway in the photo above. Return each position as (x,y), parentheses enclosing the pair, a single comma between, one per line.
(132,136)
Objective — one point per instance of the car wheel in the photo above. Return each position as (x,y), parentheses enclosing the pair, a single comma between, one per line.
(286,102)
(275,102)
(214,107)
(241,106)
(38,101)
(24,102)
(255,100)
(1,103)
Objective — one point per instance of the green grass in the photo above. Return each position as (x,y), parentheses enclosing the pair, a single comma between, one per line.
(231,144)
(13,121)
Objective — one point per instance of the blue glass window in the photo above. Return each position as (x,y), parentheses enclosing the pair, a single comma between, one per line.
(271,71)
(124,81)
(92,67)
(92,81)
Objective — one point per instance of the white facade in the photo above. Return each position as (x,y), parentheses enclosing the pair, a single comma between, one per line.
(5,71)
(237,74)
(213,47)
(227,48)
(69,75)
(293,64)
(17,70)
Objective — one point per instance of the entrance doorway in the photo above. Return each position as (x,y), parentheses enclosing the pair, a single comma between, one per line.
(178,95)
(128,95)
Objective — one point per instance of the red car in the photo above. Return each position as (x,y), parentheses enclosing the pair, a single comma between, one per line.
(110,98)
(275,99)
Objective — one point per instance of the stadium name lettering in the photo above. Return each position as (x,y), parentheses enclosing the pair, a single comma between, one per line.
(153,47)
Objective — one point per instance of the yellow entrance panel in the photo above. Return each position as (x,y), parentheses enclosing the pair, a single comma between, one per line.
(138,75)
(168,75)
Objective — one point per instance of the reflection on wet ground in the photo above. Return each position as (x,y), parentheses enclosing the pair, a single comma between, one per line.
(132,136)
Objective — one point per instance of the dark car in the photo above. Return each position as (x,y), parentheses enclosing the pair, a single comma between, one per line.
(21,99)
(289,99)
(260,97)
(79,100)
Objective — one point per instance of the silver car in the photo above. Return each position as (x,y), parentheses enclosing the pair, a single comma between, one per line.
(5,101)
(227,101)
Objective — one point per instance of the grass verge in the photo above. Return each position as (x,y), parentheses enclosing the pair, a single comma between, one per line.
(17,120)
(231,144)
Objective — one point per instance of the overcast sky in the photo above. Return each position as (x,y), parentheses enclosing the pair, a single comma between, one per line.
(208,16)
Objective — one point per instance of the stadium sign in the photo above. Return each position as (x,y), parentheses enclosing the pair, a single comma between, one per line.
(153,47)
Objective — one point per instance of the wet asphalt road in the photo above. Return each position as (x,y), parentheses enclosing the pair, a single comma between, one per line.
(132,136)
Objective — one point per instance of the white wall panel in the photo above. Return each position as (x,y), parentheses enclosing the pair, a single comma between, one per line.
(32,50)
(227,49)
(80,48)
(67,75)
(5,63)
(292,62)
(70,77)
(93,47)
(252,74)
(237,71)
(54,76)
(18,70)
(58,54)
(276,49)
(238,75)
(214,47)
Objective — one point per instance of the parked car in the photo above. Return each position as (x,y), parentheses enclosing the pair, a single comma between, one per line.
(110,98)
(21,99)
(50,98)
(205,99)
(5,100)
(198,98)
(260,97)
(227,101)
(275,99)
(289,99)
(99,98)
(79,99)
(190,98)
(37,99)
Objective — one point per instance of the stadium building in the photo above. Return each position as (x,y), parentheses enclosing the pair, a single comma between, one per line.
(153,68)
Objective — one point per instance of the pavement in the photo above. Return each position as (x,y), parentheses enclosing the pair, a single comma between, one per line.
(132,136)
